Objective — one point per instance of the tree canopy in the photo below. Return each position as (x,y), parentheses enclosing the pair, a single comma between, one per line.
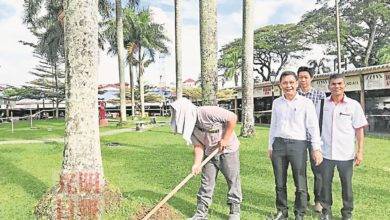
(365,27)
(274,46)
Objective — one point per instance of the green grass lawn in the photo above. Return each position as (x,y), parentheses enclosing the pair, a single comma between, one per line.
(48,129)
(147,165)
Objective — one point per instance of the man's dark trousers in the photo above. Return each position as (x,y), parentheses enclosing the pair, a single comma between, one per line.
(345,169)
(294,152)
(317,175)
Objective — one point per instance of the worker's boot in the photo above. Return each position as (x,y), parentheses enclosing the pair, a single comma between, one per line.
(234,213)
(201,212)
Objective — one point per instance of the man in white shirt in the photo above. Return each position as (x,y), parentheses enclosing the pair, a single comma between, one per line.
(305,76)
(343,123)
(293,117)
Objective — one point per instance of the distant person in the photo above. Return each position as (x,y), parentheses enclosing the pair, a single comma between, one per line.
(343,124)
(208,128)
(293,118)
(305,76)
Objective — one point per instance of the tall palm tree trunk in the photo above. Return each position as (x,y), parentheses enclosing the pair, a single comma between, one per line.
(56,89)
(141,81)
(81,181)
(208,51)
(247,128)
(132,89)
(178,49)
(121,57)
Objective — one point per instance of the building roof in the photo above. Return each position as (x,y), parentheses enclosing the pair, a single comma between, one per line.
(358,71)
(351,72)
(189,80)
(111,85)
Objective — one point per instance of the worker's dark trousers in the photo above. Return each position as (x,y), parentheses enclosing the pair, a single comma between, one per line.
(345,169)
(229,165)
(316,173)
(294,152)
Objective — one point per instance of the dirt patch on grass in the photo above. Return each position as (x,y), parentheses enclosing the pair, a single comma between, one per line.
(164,213)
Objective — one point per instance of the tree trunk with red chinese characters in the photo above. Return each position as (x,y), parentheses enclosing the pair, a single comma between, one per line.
(79,194)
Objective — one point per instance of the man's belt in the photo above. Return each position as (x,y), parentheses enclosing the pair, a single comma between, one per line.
(208,131)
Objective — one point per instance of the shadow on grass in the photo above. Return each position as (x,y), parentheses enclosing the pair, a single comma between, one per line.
(11,174)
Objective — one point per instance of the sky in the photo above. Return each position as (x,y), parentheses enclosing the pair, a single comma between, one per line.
(16,60)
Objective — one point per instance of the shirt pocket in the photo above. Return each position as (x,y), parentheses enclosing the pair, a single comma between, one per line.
(345,122)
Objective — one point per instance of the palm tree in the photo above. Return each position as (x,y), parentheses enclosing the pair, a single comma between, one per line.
(82,157)
(131,48)
(208,51)
(230,63)
(121,61)
(143,37)
(150,39)
(247,128)
(178,49)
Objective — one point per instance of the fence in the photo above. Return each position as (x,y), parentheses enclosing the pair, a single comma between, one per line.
(36,115)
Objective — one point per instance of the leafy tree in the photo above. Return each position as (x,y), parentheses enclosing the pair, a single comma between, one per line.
(226,93)
(274,47)
(18,93)
(230,62)
(192,93)
(384,55)
(365,27)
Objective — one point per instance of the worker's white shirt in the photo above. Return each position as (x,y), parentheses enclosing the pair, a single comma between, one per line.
(293,119)
(338,128)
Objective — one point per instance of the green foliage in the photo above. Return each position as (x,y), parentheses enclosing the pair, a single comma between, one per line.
(20,93)
(274,46)
(384,55)
(363,23)
(192,93)
(50,82)
(138,29)
(226,94)
(153,98)
(230,61)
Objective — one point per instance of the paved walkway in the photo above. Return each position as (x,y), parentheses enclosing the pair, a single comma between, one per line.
(106,133)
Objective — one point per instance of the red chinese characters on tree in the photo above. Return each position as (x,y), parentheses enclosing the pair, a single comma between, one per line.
(82,192)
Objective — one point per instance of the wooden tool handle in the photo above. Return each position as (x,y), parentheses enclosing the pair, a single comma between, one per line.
(181,184)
